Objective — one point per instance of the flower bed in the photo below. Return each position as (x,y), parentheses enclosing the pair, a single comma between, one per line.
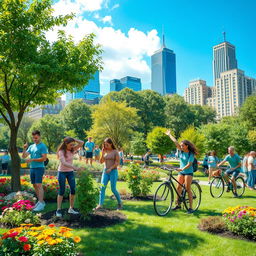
(43,240)
(241,220)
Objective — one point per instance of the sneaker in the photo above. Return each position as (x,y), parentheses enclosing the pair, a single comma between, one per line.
(120,207)
(97,208)
(235,194)
(190,211)
(58,213)
(177,207)
(36,205)
(39,208)
(72,211)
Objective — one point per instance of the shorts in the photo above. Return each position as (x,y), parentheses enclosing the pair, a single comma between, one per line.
(233,173)
(36,175)
(4,166)
(88,155)
(186,174)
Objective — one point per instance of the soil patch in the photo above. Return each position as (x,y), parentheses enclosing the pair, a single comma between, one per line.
(98,219)
(129,197)
(228,234)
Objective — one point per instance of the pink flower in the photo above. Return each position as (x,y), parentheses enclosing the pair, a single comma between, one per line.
(23,239)
(13,234)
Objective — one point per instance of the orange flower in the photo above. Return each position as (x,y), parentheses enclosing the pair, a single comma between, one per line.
(26,247)
(77,239)
(51,225)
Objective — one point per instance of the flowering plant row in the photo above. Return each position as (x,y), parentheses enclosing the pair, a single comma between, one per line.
(241,220)
(42,240)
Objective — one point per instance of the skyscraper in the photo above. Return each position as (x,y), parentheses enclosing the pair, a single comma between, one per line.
(163,71)
(133,83)
(224,58)
(90,93)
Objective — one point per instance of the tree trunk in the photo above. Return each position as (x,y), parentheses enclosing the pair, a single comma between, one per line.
(15,167)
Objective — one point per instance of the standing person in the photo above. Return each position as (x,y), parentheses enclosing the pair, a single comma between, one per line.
(146,159)
(89,147)
(235,167)
(186,154)
(5,160)
(65,154)
(245,167)
(205,163)
(111,159)
(121,156)
(97,153)
(81,153)
(38,155)
(212,164)
(252,170)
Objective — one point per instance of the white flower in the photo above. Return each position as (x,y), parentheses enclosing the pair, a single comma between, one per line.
(27,221)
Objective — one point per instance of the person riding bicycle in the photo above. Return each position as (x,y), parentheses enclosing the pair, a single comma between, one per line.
(186,153)
(234,161)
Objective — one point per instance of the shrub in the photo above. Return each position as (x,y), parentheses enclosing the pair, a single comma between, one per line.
(15,217)
(122,174)
(87,193)
(241,220)
(5,185)
(39,241)
(213,224)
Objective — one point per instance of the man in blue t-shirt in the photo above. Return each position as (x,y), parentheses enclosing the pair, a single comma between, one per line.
(38,155)
(89,147)
(234,161)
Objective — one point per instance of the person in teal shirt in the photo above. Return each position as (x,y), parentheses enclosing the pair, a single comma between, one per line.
(97,153)
(212,164)
(234,161)
(5,161)
(38,155)
(89,147)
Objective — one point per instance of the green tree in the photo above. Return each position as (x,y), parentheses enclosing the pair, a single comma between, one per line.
(158,142)
(217,137)
(202,115)
(115,120)
(196,137)
(252,139)
(138,144)
(4,136)
(178,114)
(25,126)
(76,116)
(34,71)
(248,111)
(52,130)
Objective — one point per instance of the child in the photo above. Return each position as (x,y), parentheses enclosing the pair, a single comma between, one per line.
(5,160)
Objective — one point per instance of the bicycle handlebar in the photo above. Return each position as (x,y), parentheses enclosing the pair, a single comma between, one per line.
(167,168)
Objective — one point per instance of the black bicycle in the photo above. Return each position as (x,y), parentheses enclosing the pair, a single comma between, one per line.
(218,183)
(164,195)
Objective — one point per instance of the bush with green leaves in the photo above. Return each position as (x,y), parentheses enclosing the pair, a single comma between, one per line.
(87,193)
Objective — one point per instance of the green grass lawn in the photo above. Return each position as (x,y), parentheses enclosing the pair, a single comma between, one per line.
(144,233)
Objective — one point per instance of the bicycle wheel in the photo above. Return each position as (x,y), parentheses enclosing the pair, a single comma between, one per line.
(217,187)
(196,194)
(240,186)
(163,199)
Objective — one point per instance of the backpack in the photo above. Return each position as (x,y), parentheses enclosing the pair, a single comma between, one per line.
(194,164)
(46,162)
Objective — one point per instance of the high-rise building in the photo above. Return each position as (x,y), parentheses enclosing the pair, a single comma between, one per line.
(90,93)
(224,58)
(197,92)
(232,88)
(133,83)
(40,111)
(163,71)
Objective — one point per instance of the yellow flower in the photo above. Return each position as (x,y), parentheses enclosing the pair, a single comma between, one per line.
(59,240)
(77,239)
(67,234)
(40,242)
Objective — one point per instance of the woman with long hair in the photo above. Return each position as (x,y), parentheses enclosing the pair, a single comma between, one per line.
(110,158)
(65,154)
(186,154)
(212,164)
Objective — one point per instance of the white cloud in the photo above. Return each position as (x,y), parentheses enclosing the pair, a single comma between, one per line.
(124,54)
(107,19)
(115,6)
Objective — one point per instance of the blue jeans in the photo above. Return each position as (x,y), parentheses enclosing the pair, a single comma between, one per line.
(106,177)
(62,176)
(251,181)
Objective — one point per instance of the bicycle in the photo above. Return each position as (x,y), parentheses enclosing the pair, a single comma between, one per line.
(218,183)
(164,195)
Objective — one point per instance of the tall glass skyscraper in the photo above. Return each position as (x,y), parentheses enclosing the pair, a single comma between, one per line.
(133,83)
(163,71)
(90,93)
(224,58)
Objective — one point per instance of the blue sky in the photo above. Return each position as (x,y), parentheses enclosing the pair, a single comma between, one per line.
(191,29)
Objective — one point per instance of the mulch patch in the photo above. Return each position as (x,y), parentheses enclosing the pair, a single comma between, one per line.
(98,219)
(129,197)
(229,234)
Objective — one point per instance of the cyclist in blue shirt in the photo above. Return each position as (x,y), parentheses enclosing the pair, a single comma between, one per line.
(234,161)
(186,154)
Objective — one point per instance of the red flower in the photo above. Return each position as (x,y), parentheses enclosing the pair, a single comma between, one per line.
(13,234)
(51,225)
(23,239)
(26,247)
